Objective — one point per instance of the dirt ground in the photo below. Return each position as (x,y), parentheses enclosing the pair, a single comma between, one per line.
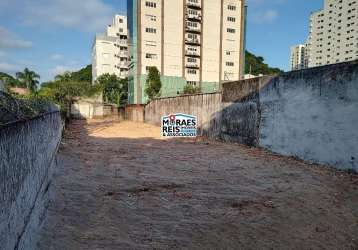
(120,186)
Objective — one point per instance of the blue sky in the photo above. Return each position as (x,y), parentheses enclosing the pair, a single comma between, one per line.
(52,36)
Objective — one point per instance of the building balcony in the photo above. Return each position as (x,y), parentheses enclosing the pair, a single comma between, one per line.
(192,41)
(195,4)
(123,54)
(194,27)
(123,64)
(191,53)
(193,16)
(122,42)
(193,63)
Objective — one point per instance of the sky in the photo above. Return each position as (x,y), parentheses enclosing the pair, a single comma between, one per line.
(53,36)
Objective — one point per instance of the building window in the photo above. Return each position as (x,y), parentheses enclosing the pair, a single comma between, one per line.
(151,30)
(191,71)
(150,4)
(231,19)
(229,30)
(231,7)
(151,56)
(230,64)
(151,17)
(192,60)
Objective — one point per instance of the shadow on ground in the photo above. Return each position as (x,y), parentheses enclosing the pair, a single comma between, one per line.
(120,186)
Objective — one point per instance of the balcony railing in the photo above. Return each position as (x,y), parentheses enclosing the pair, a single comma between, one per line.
(195,41)
(194,3)
(194,16)
(193,65)
(192,53)
(123,54)
(191,28)
(123,64)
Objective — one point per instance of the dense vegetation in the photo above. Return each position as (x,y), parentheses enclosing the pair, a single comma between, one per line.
(114,89)
(67,87)
(190,90)
(153,83)
(255,65)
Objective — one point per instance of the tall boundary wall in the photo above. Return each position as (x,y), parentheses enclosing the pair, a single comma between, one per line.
(311,114)
(27,159)
(206,107)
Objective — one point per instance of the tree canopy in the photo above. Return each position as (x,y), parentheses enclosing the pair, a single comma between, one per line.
(256,65)
(114,89)
(28,78)
(153,83)
(190,90)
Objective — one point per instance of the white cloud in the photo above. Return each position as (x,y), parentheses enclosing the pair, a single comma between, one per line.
(60,69)
(9,40)
(89,15)
(266,16)
(57,57)
(9,68)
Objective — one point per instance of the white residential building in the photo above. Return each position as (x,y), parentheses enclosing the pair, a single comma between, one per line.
(298,57)
(197,42)
(110,50)
(333,34)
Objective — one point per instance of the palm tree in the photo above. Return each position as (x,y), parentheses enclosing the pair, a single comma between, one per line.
(65,77)
(28,78)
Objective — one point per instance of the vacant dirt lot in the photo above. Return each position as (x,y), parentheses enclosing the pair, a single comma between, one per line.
(120,186)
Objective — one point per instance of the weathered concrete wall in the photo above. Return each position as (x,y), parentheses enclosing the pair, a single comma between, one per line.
(93,110)
(27,157)
(241,111)
(313,114)
(134,113)
(206,107)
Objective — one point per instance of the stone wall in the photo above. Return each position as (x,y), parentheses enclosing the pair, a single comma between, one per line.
(27,157)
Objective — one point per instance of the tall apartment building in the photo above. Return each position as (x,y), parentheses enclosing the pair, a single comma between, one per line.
(298,57)
(110,50)
(197,42)
(333,34)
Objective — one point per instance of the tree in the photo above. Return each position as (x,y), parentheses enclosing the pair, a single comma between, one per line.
(83,75)
(29,79)
(255,65)
(114,89)
(153,84)
(191,90)
(64,77)
(10,81)
(64,93)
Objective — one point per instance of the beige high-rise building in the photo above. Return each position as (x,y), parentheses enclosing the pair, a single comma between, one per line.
(197,42)
(110,50)
(298,57)
(333,33)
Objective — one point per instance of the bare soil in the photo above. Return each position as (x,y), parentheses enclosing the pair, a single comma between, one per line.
(120,186)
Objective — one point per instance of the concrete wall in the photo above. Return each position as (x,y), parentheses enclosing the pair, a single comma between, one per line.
(311,114)
(134,113)
(205,106)
(90,110)
(27,157)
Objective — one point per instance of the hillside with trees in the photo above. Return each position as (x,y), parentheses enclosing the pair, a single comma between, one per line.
(256,65)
